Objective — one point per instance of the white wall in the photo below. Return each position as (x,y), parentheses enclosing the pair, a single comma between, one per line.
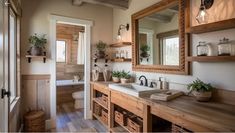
(35,19)
(221,75)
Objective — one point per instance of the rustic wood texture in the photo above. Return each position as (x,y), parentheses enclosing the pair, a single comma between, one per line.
(183,68)
(64,93)
(36,93)
(215,26)
(66,33)
(71,120)
(67,71)
(122,4)
(195,116)
(120,44)
(211,58)
(185,111)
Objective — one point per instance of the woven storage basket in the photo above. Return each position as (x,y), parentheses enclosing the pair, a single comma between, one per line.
(34,121)
(97,109)
(120,117)
(134,124)
(104,117)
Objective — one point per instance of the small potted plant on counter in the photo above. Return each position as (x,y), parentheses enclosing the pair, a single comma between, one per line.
(101,47)
(144,50)
(202,91)
(125,77)
(38,44)
(116,76)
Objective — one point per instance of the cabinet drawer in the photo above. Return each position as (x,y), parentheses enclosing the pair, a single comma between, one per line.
(127,102)
(101,88)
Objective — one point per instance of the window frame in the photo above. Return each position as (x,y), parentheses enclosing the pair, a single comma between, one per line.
(12,13)
(66,50)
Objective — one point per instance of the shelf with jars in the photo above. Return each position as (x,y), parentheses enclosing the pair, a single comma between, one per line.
(118,53)
(225,52)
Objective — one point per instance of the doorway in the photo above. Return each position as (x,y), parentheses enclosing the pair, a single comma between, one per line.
(54,19)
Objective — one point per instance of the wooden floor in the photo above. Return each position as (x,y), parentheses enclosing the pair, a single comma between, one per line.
(71,120)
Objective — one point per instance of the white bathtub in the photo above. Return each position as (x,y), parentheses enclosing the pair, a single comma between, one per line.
(68,82)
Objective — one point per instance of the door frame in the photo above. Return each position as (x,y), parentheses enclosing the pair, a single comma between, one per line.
(54,19)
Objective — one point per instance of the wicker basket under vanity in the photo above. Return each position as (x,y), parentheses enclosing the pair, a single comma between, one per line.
(34,121)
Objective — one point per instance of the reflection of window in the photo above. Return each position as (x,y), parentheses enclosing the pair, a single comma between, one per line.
(61,51)
(12,50)
(171,50)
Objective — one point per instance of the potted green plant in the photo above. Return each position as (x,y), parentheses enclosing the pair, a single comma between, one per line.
(125,77)
(202,91)
(101,47)
(37,44)
(144,51)
(116,76)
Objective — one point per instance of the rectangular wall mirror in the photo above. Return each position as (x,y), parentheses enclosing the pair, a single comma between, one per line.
(160,42)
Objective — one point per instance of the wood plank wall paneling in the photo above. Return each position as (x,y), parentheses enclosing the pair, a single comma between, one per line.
(36,93)
(66,32)
(66,71)
(64,93)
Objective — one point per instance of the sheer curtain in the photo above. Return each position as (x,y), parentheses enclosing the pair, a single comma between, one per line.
(81,49)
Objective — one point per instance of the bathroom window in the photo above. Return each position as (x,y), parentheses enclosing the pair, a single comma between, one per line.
(170,50)
(12,55)
(61,51)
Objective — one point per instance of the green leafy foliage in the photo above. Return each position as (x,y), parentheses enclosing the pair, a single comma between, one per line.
(38,40)
(145,48)
(125,75)
(101,46)
(200,86)
(116,74)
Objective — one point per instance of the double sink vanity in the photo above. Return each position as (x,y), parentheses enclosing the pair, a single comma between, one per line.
(184,112)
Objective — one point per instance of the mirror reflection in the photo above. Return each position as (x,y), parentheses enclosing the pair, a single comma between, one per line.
(158,38)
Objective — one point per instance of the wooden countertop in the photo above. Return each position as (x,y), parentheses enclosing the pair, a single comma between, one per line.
(203,116)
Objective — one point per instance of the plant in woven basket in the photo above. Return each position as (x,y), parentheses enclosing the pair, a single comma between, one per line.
(101,47)
(37,44)
(144,50)
(202,91)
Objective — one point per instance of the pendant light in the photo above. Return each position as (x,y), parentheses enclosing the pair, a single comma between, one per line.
(203,16)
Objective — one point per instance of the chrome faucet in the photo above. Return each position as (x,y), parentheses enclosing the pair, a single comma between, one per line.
(141,81)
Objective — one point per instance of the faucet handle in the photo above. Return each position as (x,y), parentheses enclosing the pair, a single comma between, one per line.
(152,83)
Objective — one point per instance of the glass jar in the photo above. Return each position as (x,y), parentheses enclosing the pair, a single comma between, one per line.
(202,49)
(224,47)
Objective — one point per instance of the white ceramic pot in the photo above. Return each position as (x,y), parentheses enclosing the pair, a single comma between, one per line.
(202,96)
(124,81)
(116,79)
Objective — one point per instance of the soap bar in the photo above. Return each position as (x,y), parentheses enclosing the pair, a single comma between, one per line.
(166,96)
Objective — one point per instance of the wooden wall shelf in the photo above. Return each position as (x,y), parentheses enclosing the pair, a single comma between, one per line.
(215,26)
(121,60)
(32,56)
(211,58)
(120,44)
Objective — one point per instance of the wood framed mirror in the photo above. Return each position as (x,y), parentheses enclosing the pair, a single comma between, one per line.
(160,43)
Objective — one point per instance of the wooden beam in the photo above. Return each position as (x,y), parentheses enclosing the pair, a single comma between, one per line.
(121,4)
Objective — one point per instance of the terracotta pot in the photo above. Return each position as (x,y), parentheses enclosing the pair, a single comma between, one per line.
(124,81)
(36,51)
(202,96)
(116,79)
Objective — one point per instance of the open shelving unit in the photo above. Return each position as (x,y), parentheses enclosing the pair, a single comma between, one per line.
(30,57)
(215,26)
(120,44)
(211,58)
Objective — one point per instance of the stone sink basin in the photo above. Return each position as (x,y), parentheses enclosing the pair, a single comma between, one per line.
(134,89)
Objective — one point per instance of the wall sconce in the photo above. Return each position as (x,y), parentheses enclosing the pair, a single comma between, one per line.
(202,16)
(127,26)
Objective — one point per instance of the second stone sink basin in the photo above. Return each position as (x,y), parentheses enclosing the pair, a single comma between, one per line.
(134,89)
